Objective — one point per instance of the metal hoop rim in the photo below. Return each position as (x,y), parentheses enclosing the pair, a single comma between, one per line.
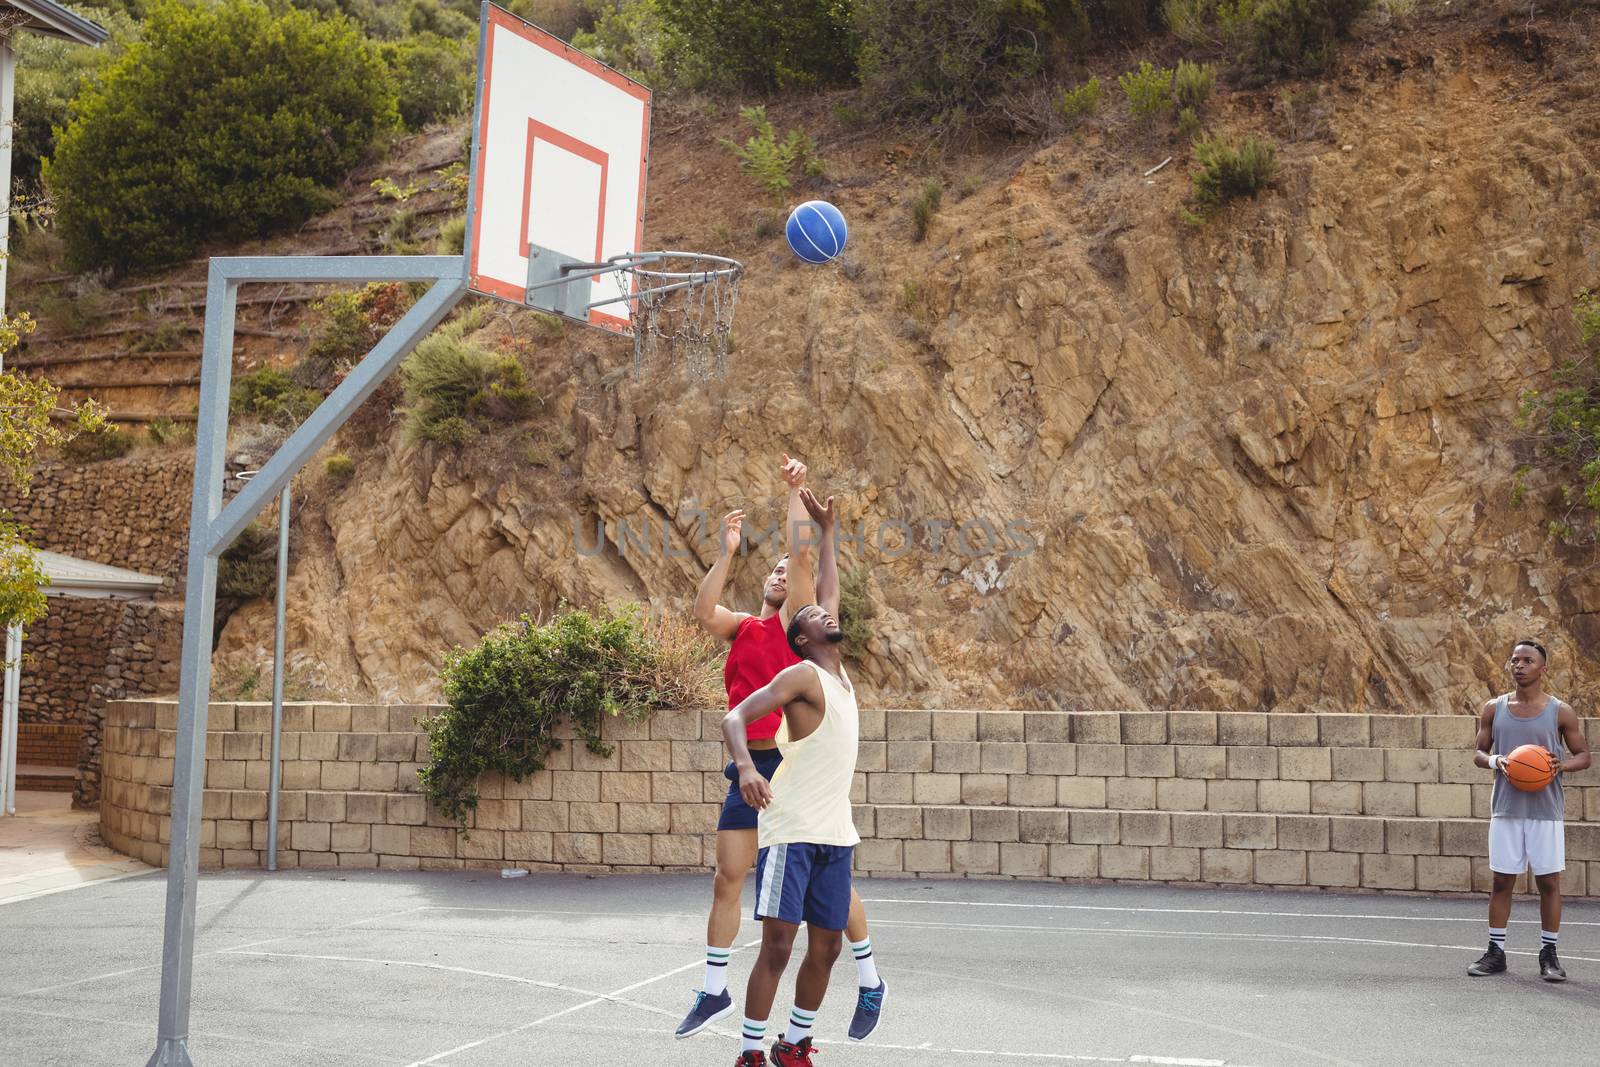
(732,267)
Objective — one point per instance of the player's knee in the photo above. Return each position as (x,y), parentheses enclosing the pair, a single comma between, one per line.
(1547,883)
(1504,883)
(825,945)
(729,883)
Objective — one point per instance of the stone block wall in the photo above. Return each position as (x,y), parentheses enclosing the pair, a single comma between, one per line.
(84,652)
(1350,802)
(70,509)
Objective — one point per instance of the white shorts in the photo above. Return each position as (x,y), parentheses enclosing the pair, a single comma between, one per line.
(1517,844)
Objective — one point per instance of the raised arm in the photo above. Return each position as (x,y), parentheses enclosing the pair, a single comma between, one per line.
(801,588)
(1572,735)
(713,618)
(828,567)
(798,682)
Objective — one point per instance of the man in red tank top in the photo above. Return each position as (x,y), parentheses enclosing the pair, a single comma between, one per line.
(758,651)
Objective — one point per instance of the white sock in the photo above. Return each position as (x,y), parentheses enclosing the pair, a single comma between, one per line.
(755,1034)
(1497,937)
(800,1022)
(866,967)
(717,970)
(1548,937)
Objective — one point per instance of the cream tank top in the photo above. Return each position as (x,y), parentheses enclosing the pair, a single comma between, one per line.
(811,789)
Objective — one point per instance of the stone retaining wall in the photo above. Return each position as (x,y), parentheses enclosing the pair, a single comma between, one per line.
(1377,802)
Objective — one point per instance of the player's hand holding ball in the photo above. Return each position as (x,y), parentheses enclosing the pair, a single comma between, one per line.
(1530,768)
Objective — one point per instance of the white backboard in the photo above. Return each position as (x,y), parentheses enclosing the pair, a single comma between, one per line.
(560,149)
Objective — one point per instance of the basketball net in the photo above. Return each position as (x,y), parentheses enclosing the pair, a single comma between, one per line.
(684,318)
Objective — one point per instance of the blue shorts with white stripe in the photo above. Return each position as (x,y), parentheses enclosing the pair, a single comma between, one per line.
(798,883)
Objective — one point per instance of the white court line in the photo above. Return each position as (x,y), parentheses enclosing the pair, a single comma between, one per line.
(1205,1024)
(212,952)
(1213,911)
(143,1025)
(1200,935)
(599,999)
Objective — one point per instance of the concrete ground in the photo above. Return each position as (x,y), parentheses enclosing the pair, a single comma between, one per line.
(49,848)
(468,969)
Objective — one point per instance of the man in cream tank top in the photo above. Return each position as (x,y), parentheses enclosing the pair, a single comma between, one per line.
(806,829)
(1527,829)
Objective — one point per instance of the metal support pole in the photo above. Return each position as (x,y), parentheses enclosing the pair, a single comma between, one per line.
(212,528)
(273,773)
(9,730)
(8,98)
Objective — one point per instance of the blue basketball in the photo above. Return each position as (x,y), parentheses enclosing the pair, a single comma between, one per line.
(816,231)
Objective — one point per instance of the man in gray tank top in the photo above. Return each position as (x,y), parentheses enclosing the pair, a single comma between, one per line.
(1527,829)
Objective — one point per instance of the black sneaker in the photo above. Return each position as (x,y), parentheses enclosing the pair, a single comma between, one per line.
(1492,962)
(1550,967)
(707,1010)
(869,1008)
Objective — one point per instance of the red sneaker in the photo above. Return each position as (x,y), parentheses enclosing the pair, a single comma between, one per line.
(754,1058)
(787,1055)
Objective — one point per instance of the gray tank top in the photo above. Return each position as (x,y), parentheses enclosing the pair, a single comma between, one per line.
(1512,732)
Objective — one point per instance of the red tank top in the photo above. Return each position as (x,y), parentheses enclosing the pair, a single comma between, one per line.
(760,650)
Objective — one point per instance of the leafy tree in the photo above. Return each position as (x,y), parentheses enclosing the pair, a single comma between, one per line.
(223,121)
(26,425)
(759,44)
(50,72)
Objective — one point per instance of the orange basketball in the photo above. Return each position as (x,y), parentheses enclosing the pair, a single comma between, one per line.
(1530,768)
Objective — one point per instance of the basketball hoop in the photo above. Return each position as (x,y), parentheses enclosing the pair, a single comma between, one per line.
(680,305)
(684,317)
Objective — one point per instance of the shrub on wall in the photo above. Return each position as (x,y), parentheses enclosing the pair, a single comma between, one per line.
(224,121)
(507,694)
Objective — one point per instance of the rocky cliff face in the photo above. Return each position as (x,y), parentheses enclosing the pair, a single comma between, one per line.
(1260,464)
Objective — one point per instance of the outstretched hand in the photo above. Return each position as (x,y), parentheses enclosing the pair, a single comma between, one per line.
(821,513)
(732,530)
(794,472)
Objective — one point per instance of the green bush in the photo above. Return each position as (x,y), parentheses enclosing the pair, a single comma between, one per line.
(350,323)
(452,236)
(758,44)
(50,72)
(1149,91)
(1565,424)
(433,76)
(455,387)
(1192,84)
(1075,105)
(507,694)
(1228,172)
(940,58)
(1269,38)
(768,160)
(1189,123)
(1290,37)
(164,432)
(925,206)
(223,121)
(856,611)
(273,396)
(248,568)
(339,467)
(627,35)
(108,442)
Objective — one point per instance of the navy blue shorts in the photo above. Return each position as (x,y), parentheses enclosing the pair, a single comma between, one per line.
(736,814)
(804,883)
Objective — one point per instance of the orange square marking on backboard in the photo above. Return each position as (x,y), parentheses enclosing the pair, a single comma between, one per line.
(538,131)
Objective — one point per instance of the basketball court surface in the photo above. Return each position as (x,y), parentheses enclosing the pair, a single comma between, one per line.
(405,968)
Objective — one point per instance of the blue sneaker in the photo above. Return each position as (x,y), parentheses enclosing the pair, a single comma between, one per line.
(869,1008)
(707,1010)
